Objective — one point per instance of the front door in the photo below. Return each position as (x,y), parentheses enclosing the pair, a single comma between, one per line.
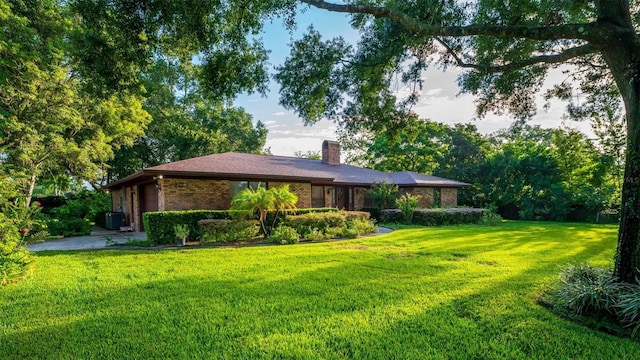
(343,198)
(148,200)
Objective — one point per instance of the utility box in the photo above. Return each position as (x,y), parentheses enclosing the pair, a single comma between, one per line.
(114,220)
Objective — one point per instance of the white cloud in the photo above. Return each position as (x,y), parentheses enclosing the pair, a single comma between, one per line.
(279,113)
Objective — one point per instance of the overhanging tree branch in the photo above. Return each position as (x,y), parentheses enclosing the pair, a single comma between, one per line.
(586,31)
(542,59)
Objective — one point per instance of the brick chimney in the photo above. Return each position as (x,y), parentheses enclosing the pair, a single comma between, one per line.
(331,152)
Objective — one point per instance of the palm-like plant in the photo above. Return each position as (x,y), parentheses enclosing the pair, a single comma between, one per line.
(261,201)
(250,201)
(284,200)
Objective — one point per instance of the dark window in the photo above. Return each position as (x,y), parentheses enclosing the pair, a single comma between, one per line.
(317,196)
(437,197)
(235,187)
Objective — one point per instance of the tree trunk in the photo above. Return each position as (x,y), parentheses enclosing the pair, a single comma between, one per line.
(627,260)
(32,186)
(620,48)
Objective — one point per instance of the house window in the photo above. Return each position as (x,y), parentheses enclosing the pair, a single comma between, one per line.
(317,196)
(235,187)
(437,197)
(368,200)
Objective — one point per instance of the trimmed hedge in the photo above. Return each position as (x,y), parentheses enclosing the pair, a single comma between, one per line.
(438,217)
(224,231)
(349,224)
(159,225)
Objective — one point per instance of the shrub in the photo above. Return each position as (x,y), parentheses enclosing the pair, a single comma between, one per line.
(383,195)
(407,204)
(68,226)
(70,219)
(221,231)
(359,227)
(490,218)
(314,235)
(587,290)
(374,212)
(159,225)
(284,235)
(14,257)
(628,308)
(306,223)
(437,217)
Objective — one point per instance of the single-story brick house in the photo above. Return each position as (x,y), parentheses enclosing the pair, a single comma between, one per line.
(210,182)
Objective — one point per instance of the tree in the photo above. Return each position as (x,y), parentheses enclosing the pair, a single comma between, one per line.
(310,154)
(418,146)
(49,123)
(260,200)
(508,48)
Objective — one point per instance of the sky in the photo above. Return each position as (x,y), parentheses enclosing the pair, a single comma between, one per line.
(440,98)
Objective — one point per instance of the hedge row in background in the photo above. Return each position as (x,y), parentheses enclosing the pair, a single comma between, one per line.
(159,226)
(439,216)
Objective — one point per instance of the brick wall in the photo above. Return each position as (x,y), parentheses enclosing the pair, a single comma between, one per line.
(115,199)
(195,194)
(425,193)
(449,196)
(328,196)
(136,219)
(303,190)
(358,197)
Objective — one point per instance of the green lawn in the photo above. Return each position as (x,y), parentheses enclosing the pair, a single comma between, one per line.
(428,293)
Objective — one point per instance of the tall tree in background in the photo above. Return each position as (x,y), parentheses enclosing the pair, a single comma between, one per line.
(49,123)
(186,121)
(418,146)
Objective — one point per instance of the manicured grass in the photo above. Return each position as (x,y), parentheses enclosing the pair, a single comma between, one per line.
(428,293)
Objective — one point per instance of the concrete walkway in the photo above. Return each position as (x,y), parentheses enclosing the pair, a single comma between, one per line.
(99,239)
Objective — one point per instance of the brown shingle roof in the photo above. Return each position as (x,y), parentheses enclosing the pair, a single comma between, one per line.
(268,167)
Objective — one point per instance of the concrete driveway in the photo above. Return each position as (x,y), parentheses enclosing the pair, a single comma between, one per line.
(98,239)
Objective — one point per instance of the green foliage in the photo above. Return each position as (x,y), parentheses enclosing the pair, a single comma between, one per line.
(159,225)
(75,216)
(358,226)
(591,294)
(628,308)
(284,235)
(490,218)
(224,231)
(182,232)
(437,217)
(349,224)
(186,123)
(18,225)
(587,290)
(307,223)
(262,201)
(14,257)
(407,204)
(383,195)
(314,235)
